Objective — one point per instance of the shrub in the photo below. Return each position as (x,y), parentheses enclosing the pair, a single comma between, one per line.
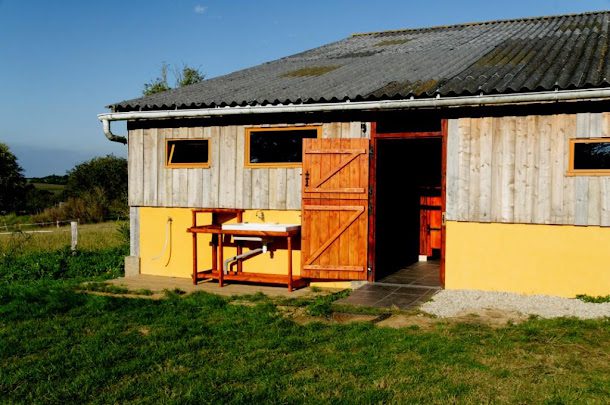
(92,206)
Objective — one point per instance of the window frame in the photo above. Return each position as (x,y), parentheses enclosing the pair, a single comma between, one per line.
(585,172)
(249,131)
(169,165)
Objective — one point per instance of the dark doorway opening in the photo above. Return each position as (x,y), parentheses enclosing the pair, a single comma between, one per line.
(408,208)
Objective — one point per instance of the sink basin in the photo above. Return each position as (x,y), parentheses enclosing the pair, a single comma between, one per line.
(253,226)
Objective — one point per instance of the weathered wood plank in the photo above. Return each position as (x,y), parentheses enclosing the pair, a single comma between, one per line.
(293,189)
(496,170)
(605,125)
(215,167)
(474,176)
(558,169)
(355,129)
(542,206)
(605,203)
(228,158)
(486,150)
(507,202)
(569,132)
(239,167)
(149,141)
(596,125)
(452,175)
(260,185)
(136,168)
(522,211)
(594,201)
(532,168)
(464,168)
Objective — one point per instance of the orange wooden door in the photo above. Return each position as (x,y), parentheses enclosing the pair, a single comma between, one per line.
(334,223)
(430,224)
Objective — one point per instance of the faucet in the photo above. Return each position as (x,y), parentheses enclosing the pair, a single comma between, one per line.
(260,215)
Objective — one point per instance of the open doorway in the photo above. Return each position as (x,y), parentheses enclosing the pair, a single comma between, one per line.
(408,212)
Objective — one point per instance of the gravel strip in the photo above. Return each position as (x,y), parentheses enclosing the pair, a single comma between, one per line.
(448,303)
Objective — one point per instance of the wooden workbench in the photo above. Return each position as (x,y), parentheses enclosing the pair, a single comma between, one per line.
(218,243)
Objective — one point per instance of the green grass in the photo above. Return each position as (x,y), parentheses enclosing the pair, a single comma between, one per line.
(57,345)
(596,300)
(90,237)
(61,345)
(56,189)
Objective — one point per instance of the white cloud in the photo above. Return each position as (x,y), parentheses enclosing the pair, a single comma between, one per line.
(199,9)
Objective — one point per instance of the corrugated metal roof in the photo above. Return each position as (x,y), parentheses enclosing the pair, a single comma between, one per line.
(520,55)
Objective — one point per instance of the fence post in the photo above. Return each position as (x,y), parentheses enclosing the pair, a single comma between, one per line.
(74,232)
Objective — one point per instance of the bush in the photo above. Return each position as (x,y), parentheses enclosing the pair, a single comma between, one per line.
(90,207)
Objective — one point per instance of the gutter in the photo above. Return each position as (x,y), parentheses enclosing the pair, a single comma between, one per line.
(438,102)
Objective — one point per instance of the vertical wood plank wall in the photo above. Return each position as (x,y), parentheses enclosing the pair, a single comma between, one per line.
(513,170)
(227,183)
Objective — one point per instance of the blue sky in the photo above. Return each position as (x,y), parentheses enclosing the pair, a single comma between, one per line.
(61,62)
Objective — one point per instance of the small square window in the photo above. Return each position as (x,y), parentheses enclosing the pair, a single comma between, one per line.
(185,153)
(277,147)
(589,157)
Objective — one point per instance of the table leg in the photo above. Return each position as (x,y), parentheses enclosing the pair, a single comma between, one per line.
(194,258)
(214,253)
(289,263)
(220,260)
(239,262)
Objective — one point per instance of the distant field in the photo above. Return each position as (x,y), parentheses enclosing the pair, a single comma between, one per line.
(90,237)
(53,188)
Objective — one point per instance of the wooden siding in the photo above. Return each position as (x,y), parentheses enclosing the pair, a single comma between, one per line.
(226,183)
(513,170)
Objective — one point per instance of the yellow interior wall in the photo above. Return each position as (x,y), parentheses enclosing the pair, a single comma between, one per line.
(177,258)
(530,259)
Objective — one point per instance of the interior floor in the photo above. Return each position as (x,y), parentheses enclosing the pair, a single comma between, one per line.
(421,274)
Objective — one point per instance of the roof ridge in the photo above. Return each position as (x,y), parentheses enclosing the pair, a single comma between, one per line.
(470,24)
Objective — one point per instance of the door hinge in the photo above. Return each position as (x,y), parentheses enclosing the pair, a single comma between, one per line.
(443,218)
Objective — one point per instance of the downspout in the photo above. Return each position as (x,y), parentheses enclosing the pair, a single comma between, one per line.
(110,135)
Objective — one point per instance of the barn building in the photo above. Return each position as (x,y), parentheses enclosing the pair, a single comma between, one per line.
(482,149)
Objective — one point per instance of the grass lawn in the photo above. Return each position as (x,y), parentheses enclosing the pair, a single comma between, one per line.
(90,237)
(53,188)
(58,345)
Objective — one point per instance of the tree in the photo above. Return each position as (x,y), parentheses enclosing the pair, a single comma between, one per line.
(188,76)
(102,177)
(109,173)
(12,181)
(183,77)
(159,84)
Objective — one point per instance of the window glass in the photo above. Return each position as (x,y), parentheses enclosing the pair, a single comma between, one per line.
(592,155)
(278,146)
(187,152)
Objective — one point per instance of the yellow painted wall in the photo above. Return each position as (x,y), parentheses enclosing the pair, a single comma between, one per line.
(530,259)
(176,260)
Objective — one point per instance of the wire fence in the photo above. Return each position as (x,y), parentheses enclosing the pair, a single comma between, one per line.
(57,234)
(8,229)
